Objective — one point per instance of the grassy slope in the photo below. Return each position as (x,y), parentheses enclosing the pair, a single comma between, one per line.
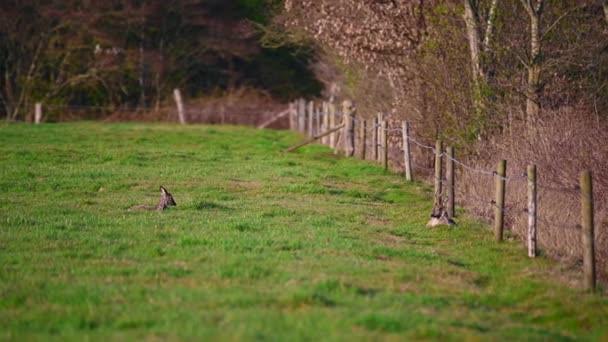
(262,245)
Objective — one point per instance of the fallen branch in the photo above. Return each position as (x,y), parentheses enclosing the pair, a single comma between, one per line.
(275,118)
(313,138)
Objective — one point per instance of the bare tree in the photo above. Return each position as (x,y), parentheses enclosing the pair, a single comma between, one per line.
(479,47)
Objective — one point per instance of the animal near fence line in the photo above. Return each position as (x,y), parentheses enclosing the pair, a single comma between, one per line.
(348,133)
(352,135)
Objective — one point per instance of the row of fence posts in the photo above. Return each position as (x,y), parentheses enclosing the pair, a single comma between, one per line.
(177,97)
(320,122)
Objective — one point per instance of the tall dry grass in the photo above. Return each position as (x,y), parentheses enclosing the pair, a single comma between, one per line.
(561,144)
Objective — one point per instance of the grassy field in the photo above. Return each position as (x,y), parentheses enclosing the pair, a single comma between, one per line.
(262,245)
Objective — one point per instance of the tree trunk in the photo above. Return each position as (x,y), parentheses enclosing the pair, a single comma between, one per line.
(606,10)
(479,49)
(471,19)
(533,92)
(533,100)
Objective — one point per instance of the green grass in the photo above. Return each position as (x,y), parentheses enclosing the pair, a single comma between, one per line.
(263,245)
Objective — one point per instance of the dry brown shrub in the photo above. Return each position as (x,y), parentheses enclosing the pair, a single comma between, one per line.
(243,106)
(561,144)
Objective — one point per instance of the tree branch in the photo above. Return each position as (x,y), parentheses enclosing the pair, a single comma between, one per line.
(554,24)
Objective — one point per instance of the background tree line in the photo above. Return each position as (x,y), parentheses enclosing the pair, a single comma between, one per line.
(130,54)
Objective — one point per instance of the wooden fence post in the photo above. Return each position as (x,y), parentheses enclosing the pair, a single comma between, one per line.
(332,123)
(177,95)
(361,147)
(588,230)
(317,120)
(380,139)
(532,211)
(38,113)
(407,155)
(302,116)
(292,115)
(311,117)
(451,188)
(438,172)
(325,125)
(375,139)
(384,127)
(499,209)
(339,134)
(347,112)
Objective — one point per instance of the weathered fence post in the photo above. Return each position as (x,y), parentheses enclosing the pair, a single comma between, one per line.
(302,116)
(361,147)
(451,182)
(438,171)
(379,133)
(292,115)
(311,117)
(347,112)
(532,211)
(332,123)
(38,113)
(407,155)
(339,134)
(384,144)
(375,139)
(177,95)
(499,209)
(318,120)
(588,230)
(325,126)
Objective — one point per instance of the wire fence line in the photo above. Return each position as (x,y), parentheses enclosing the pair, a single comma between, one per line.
(307,120)
(353,140)
(194,113)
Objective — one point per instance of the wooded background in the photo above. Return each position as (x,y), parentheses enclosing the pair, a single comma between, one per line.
(131,54)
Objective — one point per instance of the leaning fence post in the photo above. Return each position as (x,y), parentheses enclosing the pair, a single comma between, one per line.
(384,144)
(451,182)
(407,155)
(532,211)
(588,230)
(177,95)
(38,113)
(499,209)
